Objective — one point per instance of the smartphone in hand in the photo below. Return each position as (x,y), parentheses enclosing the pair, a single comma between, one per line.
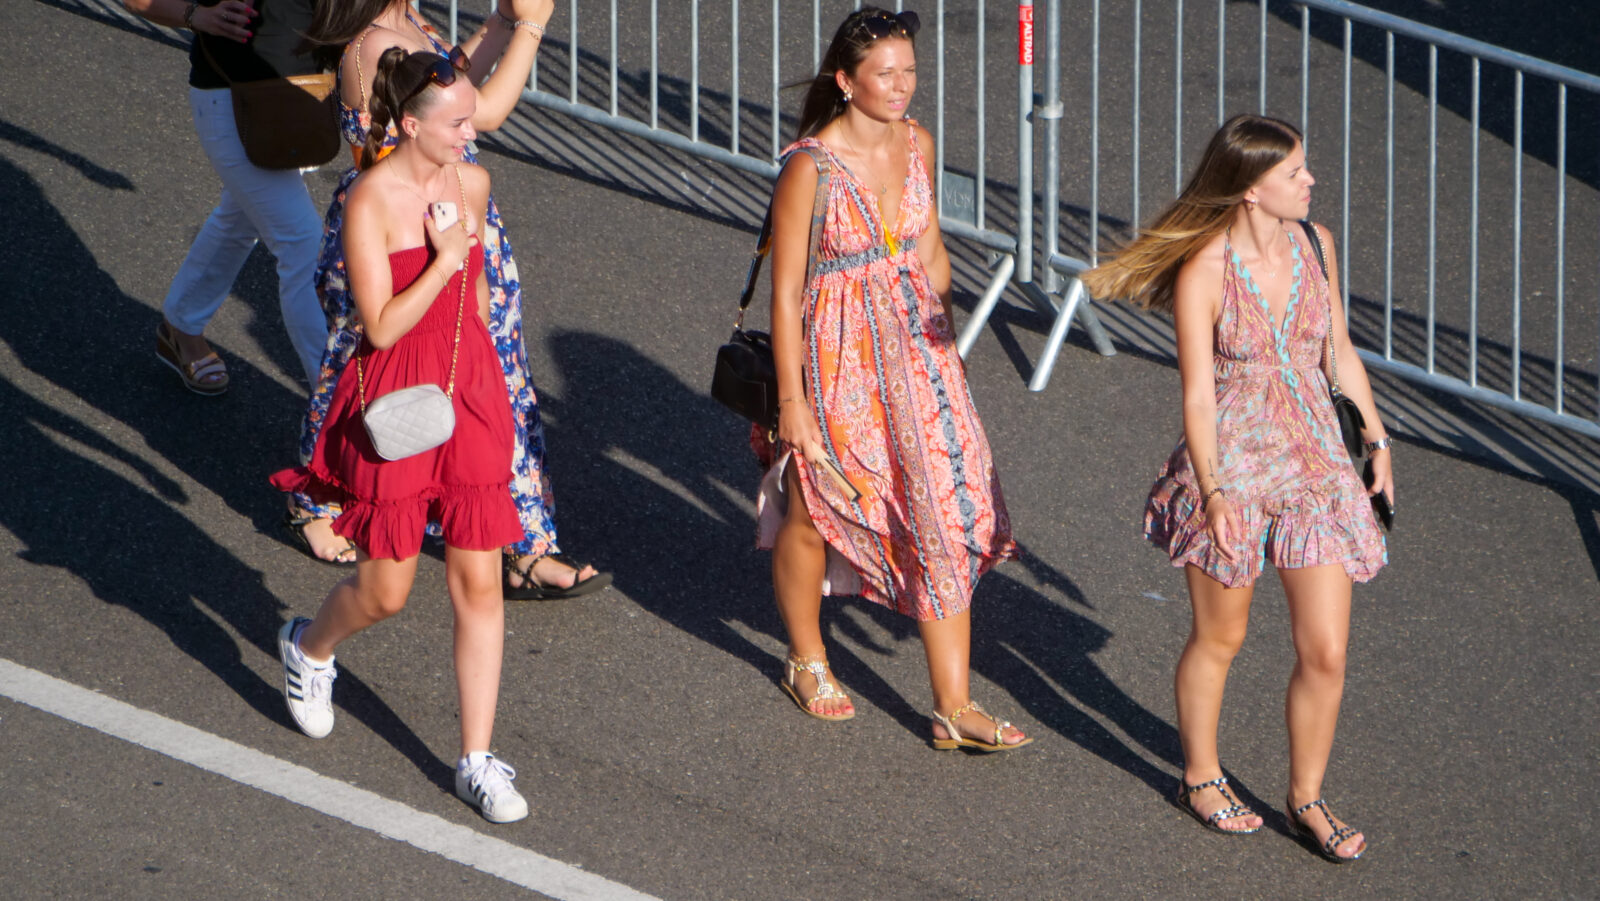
(1380,501)
(851,492)
(444,214)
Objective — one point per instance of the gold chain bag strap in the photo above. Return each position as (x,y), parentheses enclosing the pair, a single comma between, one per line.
(411,420)
(283,123)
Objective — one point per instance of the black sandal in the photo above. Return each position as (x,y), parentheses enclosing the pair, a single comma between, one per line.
(1340,834)
(297,527)
(1234,809)
(532,589)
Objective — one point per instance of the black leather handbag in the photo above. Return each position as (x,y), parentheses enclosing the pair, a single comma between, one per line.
(1351,422)
(745,378)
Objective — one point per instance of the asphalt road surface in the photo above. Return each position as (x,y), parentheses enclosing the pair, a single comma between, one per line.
(146,752)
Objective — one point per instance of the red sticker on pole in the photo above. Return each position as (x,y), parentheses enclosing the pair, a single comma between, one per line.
(1025,33)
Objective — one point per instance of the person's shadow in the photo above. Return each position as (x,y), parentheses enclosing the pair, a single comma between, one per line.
(680,545)
(82,340)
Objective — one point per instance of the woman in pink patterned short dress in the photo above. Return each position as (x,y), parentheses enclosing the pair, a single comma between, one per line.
(883,484)
(1262,473)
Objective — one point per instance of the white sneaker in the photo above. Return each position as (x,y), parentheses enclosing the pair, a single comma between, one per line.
(484,781)
(308,689)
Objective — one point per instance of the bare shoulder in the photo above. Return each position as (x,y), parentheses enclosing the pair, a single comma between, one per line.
(799,172)
(367,200)
(923,136)
(1205,265)
(475,177)
(1326,235)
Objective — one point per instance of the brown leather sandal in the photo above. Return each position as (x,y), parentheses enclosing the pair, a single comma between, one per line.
(207,375)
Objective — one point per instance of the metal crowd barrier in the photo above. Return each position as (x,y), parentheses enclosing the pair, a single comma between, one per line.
(1479,349)
(719,125)
(1482,351)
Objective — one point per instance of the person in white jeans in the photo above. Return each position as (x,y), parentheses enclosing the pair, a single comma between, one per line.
(270,205)
(259,39)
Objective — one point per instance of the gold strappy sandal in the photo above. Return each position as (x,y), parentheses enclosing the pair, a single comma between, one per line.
(957,740)
(826,690)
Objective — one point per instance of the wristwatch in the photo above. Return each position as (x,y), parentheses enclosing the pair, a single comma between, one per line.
(1380,444)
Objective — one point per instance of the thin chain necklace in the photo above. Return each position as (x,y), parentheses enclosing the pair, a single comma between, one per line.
(396,173)
(1273,272)
(883,189)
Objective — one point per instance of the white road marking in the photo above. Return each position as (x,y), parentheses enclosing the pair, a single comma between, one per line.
(291,782)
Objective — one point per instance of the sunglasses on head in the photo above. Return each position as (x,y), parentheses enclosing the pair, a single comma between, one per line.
(441,72)
(885,24)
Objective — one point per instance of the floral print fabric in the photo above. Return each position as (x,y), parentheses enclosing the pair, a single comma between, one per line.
(1281,460)
(890,394)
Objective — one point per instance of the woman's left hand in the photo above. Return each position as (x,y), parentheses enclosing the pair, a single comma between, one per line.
(528,10)
(1382,474)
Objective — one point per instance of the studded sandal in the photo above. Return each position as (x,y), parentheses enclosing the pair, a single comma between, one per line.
(532,589)
(957,740)
(817,666)
(1213,822)
(1328,849)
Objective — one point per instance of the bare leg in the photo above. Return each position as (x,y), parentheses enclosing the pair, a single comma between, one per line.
(1319,615)
(376,592)
(799,563)
(1221,616)
(948,644)
(480,631)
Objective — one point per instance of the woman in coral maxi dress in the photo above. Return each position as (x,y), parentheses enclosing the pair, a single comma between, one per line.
(419,287)
(882,484)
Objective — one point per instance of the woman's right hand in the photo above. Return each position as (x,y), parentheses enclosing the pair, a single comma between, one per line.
(229,19)
(797,428)
(1222,525)
(450,245)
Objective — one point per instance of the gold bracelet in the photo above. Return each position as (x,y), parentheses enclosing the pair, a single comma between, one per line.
(188,14)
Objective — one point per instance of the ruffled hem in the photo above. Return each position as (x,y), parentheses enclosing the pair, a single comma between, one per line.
(471,517)
(1317,532)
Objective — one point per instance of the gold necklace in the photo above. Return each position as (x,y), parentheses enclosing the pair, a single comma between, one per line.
(396,173)
(883,189)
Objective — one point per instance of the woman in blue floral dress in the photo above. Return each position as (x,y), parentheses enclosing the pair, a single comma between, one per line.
(507,43)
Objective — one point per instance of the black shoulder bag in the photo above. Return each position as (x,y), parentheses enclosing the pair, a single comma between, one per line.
(1351,422)
(745,379)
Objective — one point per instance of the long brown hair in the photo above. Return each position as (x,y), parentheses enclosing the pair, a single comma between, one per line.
(824,102)
(339,21)
(395,94)
(1145,271)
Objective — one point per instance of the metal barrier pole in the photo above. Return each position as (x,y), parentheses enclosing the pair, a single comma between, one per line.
(1024,142)
(1076,303)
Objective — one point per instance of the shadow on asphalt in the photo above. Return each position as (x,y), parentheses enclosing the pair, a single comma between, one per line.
(79,502)
(680,545)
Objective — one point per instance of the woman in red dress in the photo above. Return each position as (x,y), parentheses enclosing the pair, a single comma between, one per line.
(419,287)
